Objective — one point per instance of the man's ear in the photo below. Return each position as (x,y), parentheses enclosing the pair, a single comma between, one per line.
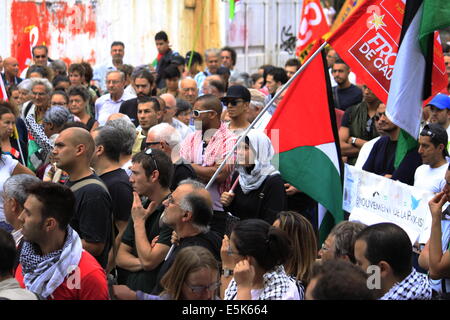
(385,269)
(50,224)
(187,216)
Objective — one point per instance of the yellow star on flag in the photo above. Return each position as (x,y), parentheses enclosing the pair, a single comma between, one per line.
(377,21)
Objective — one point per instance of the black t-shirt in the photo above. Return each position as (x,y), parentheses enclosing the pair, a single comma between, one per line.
(129,108)
(347,97)
(210,240)
(181,172)
(143,280)
(92,216)
(262,203)
(121,193)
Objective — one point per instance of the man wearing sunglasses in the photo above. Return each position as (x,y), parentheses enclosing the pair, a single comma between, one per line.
(206,148)
(40,58)
(237,101)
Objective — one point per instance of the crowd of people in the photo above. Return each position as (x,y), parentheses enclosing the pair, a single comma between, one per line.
(103,177)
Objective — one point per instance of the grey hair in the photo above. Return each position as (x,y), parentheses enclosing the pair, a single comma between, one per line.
(165,132)
(128,132)
(212,51)
(242,79)
(194,183)
(187,204)
(15,187)
(26,84)
(58,115)
(344,238)
(122,75)
(44,82)
(59,65)
(255,104)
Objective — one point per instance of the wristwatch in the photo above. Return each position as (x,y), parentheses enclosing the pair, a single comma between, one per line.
(353,141)
(227,272)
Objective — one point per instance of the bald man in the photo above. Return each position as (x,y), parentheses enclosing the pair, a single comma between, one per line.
(188,90)
(73,152)
(11,67)
(169,112)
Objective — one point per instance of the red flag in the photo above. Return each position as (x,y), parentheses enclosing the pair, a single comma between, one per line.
(368,42)
(313,25)
(3,95)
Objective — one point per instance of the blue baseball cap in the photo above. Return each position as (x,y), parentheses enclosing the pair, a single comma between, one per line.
(440,101)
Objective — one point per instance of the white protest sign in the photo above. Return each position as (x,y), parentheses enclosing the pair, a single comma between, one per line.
(371,199)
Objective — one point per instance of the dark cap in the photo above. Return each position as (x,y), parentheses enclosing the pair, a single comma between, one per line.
(178,60)
(237,92)
(437,134)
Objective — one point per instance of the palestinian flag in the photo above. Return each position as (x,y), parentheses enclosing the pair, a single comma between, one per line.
(414,79)
(304,129)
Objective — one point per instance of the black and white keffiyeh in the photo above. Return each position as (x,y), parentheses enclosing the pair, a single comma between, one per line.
(276,285)
(414,287)
(43,274)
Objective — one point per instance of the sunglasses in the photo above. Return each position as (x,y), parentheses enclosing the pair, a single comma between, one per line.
(149,153)
(197,113)
(40,57)
(234,103)
(379,115)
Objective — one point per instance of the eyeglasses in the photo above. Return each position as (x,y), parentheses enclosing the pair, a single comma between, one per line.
(197,113)
(40,57)
(153,143)
(171,200)
(40,94)
(234,103)
(379,115)
(149,153)
(200,289)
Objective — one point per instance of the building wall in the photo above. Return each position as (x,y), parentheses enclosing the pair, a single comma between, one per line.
(263,31)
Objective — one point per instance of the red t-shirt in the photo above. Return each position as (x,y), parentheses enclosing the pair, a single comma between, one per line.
(91,283)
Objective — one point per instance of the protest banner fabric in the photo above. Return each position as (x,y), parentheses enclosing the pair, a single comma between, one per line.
(371,199)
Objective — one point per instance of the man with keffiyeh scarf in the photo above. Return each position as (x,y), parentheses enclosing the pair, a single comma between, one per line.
(53,264)
(388,248)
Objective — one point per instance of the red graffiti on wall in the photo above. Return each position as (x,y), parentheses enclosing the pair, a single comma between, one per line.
(31,24)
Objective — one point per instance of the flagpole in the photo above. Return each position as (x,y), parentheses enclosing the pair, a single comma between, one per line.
(242,137)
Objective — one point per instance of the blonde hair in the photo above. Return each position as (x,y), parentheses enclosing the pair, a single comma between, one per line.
(303,245)
(188,260)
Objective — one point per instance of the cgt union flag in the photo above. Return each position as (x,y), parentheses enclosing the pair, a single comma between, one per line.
(313,25)
(368,41)
(309,158)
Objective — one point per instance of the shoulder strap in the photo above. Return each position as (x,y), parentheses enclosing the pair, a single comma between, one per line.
(86,182)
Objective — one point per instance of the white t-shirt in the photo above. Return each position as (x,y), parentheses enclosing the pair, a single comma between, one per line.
(7,166)
(429,178)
